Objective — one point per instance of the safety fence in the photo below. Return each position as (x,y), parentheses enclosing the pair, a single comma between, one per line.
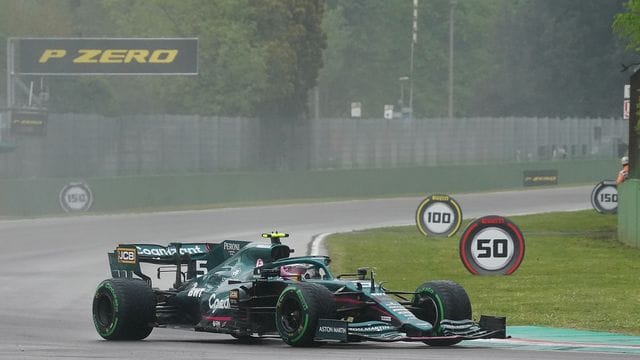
(82,145)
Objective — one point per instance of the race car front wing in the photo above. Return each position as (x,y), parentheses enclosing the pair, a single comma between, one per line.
(338,330)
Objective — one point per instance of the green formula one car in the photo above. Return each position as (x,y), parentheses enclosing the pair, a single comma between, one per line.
(255,289)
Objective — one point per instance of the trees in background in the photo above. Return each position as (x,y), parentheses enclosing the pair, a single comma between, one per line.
(520,58)
(261,58)
(255,57)
(627,24)
(369,51)
(558,58)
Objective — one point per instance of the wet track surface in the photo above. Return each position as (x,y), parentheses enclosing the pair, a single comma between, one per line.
(49,269)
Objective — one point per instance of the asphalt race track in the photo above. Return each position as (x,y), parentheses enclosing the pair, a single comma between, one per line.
(50,267)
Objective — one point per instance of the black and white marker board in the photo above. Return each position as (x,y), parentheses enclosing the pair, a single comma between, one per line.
(492,245)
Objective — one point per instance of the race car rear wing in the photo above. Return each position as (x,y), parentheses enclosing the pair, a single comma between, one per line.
(125,260)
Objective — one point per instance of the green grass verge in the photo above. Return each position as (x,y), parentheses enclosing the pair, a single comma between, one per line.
(575,274)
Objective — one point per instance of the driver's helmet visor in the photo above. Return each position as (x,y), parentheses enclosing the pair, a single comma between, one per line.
(292,270)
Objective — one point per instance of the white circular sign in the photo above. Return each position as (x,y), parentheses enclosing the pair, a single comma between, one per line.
(492,245)
(604,197)
(492,248)
(608,198)
(76,196)
(439,217)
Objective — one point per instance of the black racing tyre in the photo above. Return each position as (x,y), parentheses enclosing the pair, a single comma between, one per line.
(124,309)
(298,309)
(441,299)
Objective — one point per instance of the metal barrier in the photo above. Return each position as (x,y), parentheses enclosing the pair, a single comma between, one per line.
(80,145)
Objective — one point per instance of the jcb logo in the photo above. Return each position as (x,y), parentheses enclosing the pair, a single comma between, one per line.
(112,56)
(126,255)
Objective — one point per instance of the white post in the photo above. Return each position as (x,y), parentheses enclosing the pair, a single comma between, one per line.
(414,40)
(10,70)
(452,3)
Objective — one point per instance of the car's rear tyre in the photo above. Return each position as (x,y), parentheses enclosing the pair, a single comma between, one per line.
(441,299)
(298,309)
(124,309)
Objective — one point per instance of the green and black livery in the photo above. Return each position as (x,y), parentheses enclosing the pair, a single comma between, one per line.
(256,289)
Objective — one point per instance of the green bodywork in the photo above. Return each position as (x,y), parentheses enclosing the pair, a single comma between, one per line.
(233,287)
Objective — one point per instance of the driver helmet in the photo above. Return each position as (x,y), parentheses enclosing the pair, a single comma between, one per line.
(292,271)
(624,160)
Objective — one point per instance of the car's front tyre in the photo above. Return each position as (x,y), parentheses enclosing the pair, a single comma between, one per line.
(438,300)
(298,310)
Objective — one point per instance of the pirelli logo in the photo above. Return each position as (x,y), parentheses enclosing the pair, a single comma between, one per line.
(29,122)
(112,56)
(126,255)
(540,177)
(107,56)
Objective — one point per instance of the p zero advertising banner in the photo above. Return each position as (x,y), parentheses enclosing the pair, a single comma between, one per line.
(25,122)
(107,56)
(540,177)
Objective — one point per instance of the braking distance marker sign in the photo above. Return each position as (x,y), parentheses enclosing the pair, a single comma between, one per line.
(492,245)
(438,215)
(76,196)
(604,197)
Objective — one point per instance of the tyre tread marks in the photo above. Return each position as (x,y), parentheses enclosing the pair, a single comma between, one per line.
(136,308)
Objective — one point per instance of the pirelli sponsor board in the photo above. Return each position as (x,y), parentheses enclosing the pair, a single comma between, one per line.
(438,215)
(540,177)
(107,56)
(29,122)
(492,245)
